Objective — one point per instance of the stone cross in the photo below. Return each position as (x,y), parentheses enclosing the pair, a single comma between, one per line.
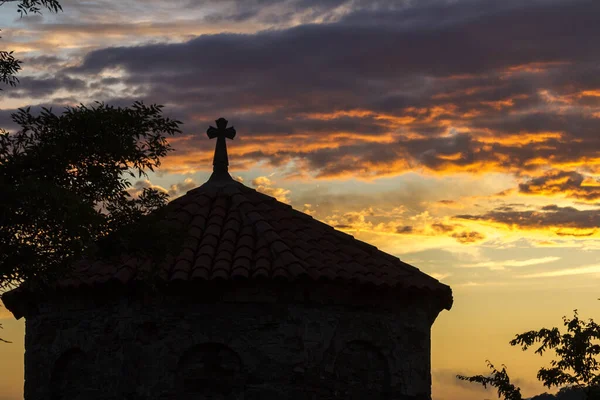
(220,161)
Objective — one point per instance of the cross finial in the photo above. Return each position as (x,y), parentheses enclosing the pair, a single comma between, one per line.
(220,161)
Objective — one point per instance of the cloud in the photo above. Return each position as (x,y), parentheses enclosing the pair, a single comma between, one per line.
(264,185)
(357,221)
(562,221)
(180,188)
(255,81)
(422,224)
(466,237)
(440,276)
(571,184)
(301,94)
(443,228)
(405,229)
(174,191)
(417,45)
(588,269)
(427,227)
(139,186)
(30,87)
(501,265)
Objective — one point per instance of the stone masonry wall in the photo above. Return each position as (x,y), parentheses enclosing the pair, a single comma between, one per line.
(175,349)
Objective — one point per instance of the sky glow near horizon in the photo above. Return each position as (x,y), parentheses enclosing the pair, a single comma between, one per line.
(461,136)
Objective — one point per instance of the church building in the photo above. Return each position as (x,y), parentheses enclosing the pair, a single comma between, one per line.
(258,302)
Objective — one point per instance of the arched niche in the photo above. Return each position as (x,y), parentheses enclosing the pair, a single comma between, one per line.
(70,376)
(361,372)
(210,371)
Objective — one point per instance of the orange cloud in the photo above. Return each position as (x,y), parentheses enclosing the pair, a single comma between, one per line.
(139,186)
(570,184)
(552,219)
(534,67)
(465,237)
(521,138)
(265,185)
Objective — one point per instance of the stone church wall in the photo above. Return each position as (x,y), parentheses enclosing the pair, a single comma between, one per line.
(174,349)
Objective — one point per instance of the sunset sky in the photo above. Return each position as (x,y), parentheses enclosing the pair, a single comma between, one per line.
(461,136)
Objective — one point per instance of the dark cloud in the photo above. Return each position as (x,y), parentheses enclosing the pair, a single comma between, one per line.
(330,49)
(43,87)
(443,228)
(404,229)
(564,221)
(452,230)
(466,237)
(568,183)
(445,81)
(105,82)
(45,61)
(274,11)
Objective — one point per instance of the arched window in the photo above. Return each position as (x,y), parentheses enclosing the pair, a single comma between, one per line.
(361,372)
(69,376)
(210,371)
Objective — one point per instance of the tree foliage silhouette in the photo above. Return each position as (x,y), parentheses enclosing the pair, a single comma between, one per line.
(576,367)
(498,379)
(9,65)
(64,183)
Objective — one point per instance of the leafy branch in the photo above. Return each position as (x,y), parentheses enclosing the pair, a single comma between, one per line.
(498,379)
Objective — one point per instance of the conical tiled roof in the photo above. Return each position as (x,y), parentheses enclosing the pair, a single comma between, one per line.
(234,232)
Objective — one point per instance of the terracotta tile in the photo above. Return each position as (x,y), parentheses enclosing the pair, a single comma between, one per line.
(223,255)
(223,264)
(263,263)
(203,261)
(243,252)
(299,249)
(209,240)
(219,274)
(241,262)
(213,229)
(246,240)
(179,275)
(182,265)
(187,255)
(280,273)
(233,223)
(193,209)
(199,221)
(183,217)
(237,199)
(279,247)
(229,236)
(207,250)
(254,217)
(240,273)
(191,242)
(260,273)
(296,269)
(200,273)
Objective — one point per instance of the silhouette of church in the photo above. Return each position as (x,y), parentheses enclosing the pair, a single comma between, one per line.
(260,302)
